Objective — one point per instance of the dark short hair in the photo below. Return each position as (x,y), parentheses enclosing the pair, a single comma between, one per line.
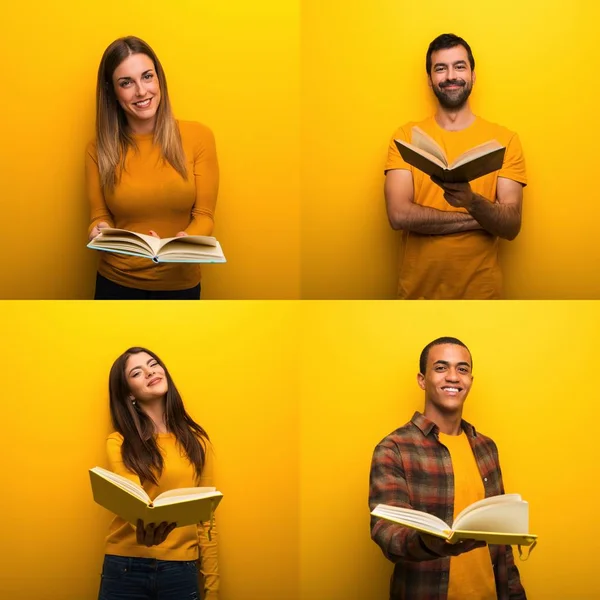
(444,42)
(438,342)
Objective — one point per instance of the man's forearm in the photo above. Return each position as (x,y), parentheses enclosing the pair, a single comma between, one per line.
(431,221)
(498,219)
(400,543)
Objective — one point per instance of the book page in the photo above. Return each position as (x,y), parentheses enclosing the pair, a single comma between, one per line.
(175,499)
(189,251)
(193,491)
(123,483)
(188,511)
(504,517)
(196,240)
(411,154)
(190,246)
(412,518)
(476,167)
(487,502)
(123,239)
(475,152)
(421,140)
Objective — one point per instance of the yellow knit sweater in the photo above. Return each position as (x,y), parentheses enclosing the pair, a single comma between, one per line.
(183,543)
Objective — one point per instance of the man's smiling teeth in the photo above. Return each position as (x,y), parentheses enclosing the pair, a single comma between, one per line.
(450,389)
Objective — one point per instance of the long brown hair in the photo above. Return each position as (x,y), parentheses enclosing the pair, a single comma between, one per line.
(139,450)
(112,136)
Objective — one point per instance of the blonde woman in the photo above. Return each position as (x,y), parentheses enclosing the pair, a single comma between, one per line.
(146,172)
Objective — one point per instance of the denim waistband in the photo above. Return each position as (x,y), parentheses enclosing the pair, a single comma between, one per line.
(147,565)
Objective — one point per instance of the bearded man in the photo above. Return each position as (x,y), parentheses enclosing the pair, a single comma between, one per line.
(451,231)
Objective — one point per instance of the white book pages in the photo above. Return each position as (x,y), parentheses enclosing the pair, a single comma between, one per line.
(508,517)
(500,498)
(123,483)
(411,517)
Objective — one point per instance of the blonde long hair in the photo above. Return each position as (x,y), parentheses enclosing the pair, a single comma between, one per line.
(112,136)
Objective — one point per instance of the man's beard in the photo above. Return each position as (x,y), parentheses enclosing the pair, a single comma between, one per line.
(456,99)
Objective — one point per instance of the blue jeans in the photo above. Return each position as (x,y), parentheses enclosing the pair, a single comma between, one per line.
(125,578)
(109,290)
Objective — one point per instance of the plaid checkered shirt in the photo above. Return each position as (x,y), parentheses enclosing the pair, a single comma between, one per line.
(411,468)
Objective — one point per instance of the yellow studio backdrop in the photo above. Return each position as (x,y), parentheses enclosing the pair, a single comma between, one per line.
(236,368)
(533,393)
(363,75)
(234,66)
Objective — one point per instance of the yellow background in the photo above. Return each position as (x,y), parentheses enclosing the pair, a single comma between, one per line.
(234,66)
(295,396)
(363,75)
(237,375)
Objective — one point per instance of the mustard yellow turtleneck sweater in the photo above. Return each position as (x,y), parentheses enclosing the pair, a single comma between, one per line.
(150,194)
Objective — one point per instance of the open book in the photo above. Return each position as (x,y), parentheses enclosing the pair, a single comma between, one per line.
(425,154)
(184,506)
(191,248)
(500,519)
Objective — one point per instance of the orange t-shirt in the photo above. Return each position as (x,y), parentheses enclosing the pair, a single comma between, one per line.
(152,195)
(459,265)
(471,574)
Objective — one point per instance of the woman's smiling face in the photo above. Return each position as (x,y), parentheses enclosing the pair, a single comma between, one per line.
(138,91)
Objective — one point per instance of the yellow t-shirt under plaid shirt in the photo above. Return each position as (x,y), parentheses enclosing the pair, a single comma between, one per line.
(471,574)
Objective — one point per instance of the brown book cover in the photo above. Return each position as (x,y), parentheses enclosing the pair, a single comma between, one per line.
(426,155)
